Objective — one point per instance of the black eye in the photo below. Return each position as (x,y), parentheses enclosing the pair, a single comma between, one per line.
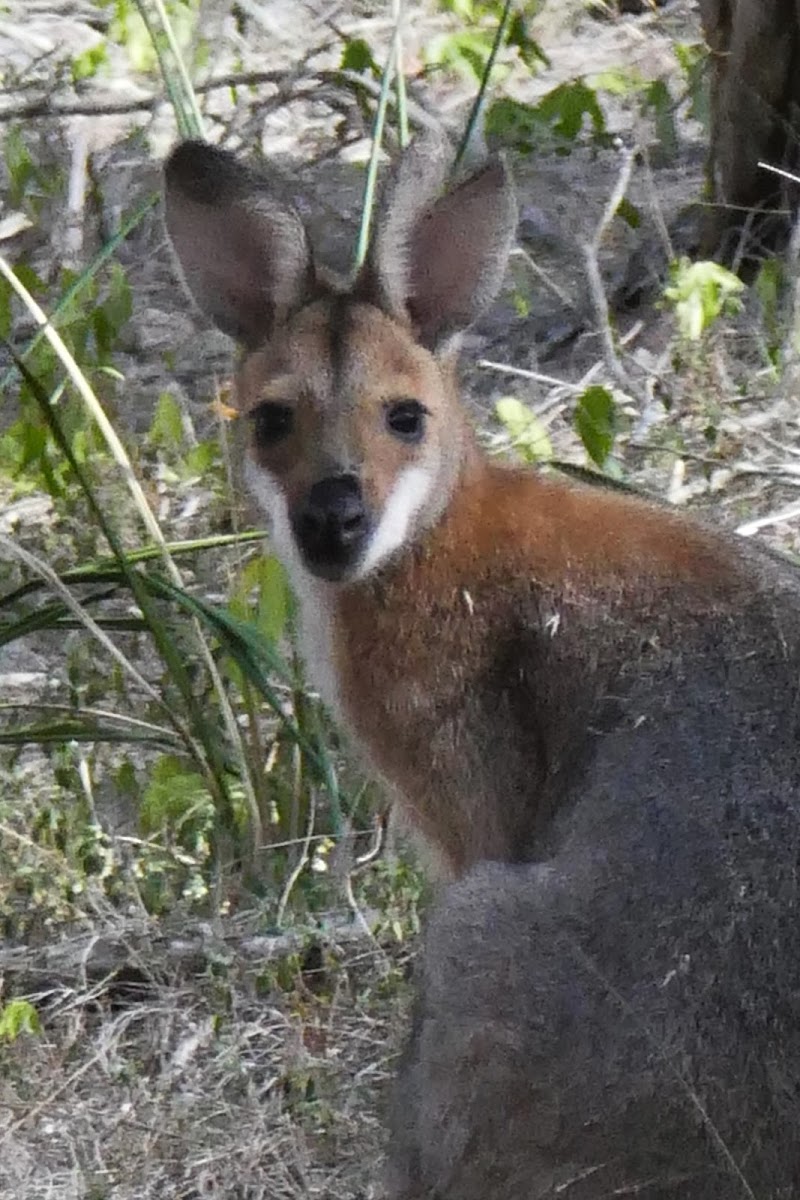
(406,419)
(271,422)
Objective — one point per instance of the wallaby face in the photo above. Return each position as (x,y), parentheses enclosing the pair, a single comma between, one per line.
(353,428)
(356,432)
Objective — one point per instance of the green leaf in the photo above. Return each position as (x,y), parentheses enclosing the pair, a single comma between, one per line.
(166,430)
(19,166)
(769,282)
(701,292)
(693,60)
(527,47)
(264,576)
(32,282)
(658,98)
(118,304)
(273,599)
(357,56)
(202,458)
(465,52)
(617,81)
(562,113)
(595,421)
(5,309)
(568,105)
(463,9)
(629,213)
(514,124)
(174,794)
(86,65)
(528,435)
(18,1017)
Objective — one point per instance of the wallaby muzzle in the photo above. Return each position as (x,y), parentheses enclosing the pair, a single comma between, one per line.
(332,527)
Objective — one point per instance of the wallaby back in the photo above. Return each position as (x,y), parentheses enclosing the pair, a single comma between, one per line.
(622,1020)
(621,1016)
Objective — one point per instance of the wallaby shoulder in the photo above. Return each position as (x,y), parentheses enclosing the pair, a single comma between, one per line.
(537,614)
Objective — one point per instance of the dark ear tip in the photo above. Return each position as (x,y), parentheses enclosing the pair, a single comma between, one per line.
(497,166)
(187,156)
(202,171)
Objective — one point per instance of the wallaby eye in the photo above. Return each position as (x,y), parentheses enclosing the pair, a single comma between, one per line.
(271,422)
(406,420)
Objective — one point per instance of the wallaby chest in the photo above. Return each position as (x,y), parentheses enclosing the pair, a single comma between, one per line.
(480,672)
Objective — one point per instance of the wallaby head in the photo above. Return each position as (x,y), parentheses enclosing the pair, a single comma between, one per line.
(357,437)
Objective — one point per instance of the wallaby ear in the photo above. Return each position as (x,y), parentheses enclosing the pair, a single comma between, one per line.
(438,258)
(245,258)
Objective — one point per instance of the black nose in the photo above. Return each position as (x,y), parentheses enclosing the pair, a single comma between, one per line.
(331,526)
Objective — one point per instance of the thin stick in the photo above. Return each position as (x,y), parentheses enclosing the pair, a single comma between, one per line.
(779,171)
(535,376)
(544,276)
(300,865)
(774,518)
(591,262)
(104,714)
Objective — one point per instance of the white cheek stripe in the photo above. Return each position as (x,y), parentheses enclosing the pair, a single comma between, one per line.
(273,503)
(406,500)
(312,594)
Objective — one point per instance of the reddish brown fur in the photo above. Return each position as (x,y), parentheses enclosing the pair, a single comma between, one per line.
(409,645)
(474,664)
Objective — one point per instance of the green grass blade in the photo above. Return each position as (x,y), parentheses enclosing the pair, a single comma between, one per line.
(400,79)
(45,616)
(106,570)
(258,661)
(368,199)
(203,745)
(53,733)
(173,69)
(477,107)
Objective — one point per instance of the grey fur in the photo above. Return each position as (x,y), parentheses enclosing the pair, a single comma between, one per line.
(621,1016)
(437,258)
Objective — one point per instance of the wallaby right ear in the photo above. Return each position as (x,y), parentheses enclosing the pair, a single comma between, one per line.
(245,258)
(439,254)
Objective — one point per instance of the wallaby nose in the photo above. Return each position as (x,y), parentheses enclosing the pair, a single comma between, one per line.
(332,525)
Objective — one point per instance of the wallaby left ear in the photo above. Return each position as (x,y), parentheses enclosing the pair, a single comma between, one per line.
(438,257)
(245,256)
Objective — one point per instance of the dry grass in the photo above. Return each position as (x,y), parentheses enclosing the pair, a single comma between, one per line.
(249,1081)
